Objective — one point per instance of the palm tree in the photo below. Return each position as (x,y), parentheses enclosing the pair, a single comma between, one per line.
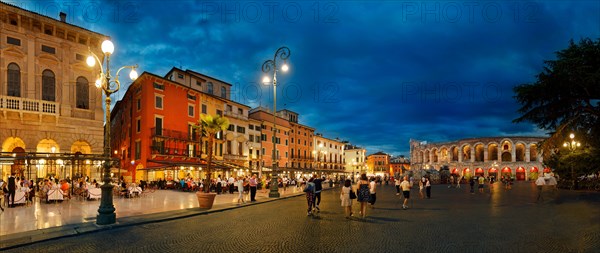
(210,127)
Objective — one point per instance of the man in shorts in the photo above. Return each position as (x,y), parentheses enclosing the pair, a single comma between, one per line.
(405,185)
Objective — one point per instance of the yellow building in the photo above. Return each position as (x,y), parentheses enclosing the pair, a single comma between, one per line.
(48,101)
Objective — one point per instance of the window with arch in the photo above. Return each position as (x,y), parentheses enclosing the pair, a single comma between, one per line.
(83,93)
(223,92)
(210,88)
(14,80)
(48,85)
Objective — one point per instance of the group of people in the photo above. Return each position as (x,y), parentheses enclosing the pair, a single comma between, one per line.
(12,186)
(366,193)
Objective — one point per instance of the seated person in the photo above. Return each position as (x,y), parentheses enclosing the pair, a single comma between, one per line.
(124,188)
(143,184)
(64,186)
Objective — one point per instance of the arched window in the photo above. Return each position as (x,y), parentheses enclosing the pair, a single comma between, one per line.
(14,80)
(223,92)
(48,86)
(210,88)
(83,93)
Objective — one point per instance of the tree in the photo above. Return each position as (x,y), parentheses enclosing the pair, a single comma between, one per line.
(210,127)
(565,98)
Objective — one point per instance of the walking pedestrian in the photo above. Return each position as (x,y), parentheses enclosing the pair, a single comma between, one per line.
(310,195)
(421,186)
(552,185)
(428,187)
(362,192)
(231,184)
(240,187)
(406,191)
(472,184)
(458,182)
(318,188)
(12,187)
(345,198)
(372,197)
(397,184)
(540,182)
(451,181)
(480,183)
(253,183)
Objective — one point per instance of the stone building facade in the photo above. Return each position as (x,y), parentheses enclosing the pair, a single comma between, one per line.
(517,157)
(48,101)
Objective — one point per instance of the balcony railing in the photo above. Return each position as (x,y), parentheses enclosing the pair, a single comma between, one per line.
(236,115)
(19,104)
(168,133)
(302,158)
(160,150)
(234,157)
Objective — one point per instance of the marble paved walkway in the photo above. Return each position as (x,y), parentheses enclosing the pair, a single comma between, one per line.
(40,215)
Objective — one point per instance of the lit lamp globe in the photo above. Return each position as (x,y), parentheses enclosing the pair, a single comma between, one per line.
(90,61)
(133,74)
(266,80)
(108,47)
(98,83)
(285,68)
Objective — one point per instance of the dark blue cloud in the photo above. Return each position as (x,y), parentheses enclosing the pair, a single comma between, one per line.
(374,73)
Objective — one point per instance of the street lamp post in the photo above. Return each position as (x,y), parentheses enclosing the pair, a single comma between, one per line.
(106,212)
(572,146)
(354,165)
(318,154)
(283,53)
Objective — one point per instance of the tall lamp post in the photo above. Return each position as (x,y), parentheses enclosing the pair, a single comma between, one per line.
(572,146)
(106,212)
(318,154)
(283,53)
(354,165)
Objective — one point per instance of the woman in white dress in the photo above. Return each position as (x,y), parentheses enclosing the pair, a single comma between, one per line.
(240,187)
(345,198)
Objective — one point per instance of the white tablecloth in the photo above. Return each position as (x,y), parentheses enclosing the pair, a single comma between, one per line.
(20,197)
(95,193)
(55,194)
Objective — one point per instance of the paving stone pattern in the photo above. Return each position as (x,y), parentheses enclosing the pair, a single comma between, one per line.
(453,220)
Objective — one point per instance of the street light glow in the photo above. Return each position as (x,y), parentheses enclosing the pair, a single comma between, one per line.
(98,83)
(90,61)
(266,80)
(572,135)
(133,74)
(285,67)
(108,47)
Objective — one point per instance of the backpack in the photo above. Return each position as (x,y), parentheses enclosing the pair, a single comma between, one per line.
(310,187)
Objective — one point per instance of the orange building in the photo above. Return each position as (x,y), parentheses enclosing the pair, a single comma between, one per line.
(283,128)
(155,127)
(301,142)
(379,164)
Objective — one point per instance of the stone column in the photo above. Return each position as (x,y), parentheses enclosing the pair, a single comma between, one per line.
(485,154)
(472,154)
(527,153)
(499,158)
(30,80)
(513,153)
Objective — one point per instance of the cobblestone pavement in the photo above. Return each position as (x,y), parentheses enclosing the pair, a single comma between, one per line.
(453,220)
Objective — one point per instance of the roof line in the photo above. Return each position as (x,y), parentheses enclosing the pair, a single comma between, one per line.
(53,19)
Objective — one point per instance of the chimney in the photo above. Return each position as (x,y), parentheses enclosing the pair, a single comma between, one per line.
(63,17)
